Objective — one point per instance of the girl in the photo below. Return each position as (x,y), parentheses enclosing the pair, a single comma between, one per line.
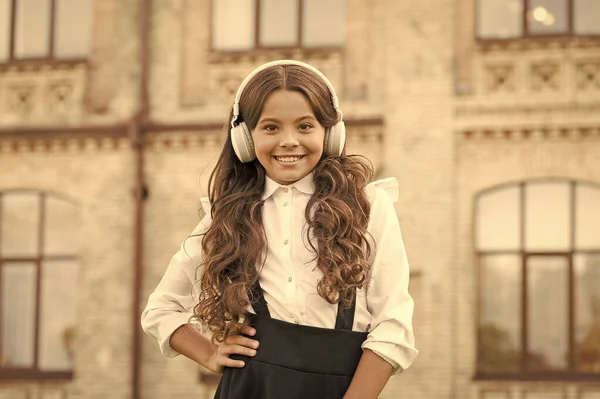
(298,268)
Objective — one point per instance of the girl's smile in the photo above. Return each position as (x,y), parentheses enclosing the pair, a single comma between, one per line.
(288,160)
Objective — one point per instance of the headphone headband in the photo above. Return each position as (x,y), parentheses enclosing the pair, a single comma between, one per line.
(236,104)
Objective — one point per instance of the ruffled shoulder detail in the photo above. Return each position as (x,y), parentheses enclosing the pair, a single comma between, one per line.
(389,185)
(205,203)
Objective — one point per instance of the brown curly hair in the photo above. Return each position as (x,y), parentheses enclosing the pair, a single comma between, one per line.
(234,244)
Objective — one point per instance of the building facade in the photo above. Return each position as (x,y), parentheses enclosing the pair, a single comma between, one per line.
(487,113)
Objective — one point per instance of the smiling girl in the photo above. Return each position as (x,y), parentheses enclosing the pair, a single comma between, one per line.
(298,269)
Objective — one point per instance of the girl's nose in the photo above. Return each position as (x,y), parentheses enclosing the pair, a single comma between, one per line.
(289,139)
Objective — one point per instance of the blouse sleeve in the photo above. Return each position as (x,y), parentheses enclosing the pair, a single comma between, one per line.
(171,305)
(388,299)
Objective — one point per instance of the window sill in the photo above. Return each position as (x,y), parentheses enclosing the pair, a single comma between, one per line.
(537,377)
(538,42)
(226,56)
(36,64)
(34,375)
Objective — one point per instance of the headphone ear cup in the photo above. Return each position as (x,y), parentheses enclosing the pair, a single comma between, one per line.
(335,139)
(241,139)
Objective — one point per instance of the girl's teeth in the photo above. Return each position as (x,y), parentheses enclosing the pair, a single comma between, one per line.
(287,159)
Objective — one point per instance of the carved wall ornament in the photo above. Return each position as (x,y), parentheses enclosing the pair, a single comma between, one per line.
(500,78)
(545,77)
(21,98)
(588,75)
(60,95)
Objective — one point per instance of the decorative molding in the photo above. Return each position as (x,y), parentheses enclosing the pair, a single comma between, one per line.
(261,56)
(465,111)
(538,43)
(42,65)
(532,133)
(183,140)
(43,96)
(63,145)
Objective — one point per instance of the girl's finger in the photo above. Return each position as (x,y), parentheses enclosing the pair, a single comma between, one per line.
(227,362)
(243,341)
(248,330)
(237,350)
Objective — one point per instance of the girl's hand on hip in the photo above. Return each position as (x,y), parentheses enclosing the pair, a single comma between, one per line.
(234,345)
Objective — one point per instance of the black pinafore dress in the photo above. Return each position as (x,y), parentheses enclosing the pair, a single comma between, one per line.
(295,361)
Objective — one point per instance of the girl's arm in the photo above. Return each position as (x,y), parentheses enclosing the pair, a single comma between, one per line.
(167,315)
(370,378)
(389,347)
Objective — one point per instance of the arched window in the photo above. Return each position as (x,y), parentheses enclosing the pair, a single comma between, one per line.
(39,244)
(538,250)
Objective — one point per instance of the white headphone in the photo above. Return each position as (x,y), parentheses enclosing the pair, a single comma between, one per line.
(335,136)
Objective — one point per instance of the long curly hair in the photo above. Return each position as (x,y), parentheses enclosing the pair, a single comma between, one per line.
(234,245)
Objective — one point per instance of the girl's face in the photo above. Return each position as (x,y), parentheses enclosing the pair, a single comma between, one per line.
(288,139)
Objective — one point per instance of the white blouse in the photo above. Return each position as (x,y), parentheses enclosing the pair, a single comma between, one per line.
(289,277)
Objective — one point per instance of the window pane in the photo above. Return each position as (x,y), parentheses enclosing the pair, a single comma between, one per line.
(61,230)
(4,29)
(57,317)
(500,307)
(587,17)
(548,217)
(499,19)
(547,308)
(73,28)
(278,23)
(18,314)
(498,220)
(20,224)
(324,23)
(32,32)
(587,219)
(233,24)
(587,312)
(547,17)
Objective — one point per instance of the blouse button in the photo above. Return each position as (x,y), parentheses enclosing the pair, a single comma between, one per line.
(285,190)
(285,204)
(285,242)
(290,279)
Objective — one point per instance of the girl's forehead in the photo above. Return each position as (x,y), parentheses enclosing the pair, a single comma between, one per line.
(287,102)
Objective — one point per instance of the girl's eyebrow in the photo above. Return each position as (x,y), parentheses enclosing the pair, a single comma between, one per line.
(308,116)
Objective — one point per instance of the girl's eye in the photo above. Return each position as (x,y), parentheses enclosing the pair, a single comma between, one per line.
(305,126)
(270,128)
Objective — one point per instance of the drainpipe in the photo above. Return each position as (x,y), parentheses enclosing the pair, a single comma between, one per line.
(140,191)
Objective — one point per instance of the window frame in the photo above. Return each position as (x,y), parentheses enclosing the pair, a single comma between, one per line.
(522,374)
(33,373)
(50,58)
(257,46)
(526,35)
